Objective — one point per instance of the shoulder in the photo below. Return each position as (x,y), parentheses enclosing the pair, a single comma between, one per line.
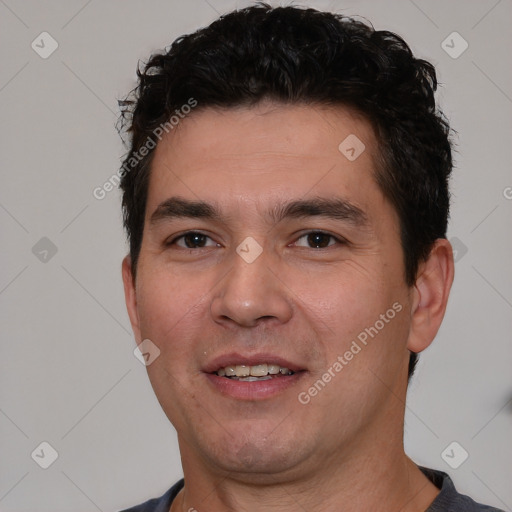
(449,500)
(161,504)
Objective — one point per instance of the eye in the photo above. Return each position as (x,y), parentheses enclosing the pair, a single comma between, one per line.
(192,240)
(318,239)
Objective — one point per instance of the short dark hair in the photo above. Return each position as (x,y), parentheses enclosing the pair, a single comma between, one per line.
(298,55)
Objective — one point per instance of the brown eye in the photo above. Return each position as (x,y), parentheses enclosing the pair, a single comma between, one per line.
(318,239)
(191,240)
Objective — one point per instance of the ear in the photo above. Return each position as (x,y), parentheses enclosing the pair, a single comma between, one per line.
(430,295)
(130,297)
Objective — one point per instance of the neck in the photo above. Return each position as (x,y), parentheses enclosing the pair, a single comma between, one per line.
(368,477)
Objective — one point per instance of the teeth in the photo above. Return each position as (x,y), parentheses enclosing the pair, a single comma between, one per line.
(242,370)
(230,371)
(259,370)
(252,373)
(273,369)
(254,379)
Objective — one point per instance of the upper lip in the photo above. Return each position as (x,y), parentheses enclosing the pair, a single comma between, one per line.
(234,358)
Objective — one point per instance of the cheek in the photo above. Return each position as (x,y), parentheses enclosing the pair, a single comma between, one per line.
(341,299)
(362,307)
(165,304)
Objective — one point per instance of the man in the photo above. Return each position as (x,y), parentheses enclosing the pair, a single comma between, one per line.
(286,201)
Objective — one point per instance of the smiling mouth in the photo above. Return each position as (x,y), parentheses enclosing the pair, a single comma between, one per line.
(259,372)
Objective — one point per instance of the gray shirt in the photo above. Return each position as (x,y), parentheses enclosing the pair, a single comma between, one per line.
(448,500)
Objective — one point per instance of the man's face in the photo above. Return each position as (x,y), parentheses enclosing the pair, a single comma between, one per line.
(211,300)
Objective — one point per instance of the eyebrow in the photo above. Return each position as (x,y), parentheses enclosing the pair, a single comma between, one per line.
(332,208)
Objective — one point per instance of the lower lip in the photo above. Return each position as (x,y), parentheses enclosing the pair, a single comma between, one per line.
(256,390)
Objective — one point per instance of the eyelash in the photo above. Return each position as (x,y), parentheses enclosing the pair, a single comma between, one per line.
(340,241)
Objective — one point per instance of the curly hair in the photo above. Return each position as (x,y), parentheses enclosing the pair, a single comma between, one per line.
(303,56)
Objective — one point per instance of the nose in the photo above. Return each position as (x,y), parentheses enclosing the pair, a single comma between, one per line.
(252,293)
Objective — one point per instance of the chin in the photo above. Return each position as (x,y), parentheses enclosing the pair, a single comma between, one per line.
(255,454)
(252,465)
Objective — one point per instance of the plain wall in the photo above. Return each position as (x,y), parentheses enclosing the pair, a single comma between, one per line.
(68,375)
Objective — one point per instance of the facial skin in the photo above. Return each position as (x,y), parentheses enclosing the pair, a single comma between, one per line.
(295,301)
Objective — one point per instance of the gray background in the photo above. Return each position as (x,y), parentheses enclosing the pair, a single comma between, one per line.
(68,375)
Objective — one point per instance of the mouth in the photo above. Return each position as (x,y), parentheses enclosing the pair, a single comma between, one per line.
(252,378)
(254,373)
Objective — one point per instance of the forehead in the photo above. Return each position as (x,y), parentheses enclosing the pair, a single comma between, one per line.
(266,154)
